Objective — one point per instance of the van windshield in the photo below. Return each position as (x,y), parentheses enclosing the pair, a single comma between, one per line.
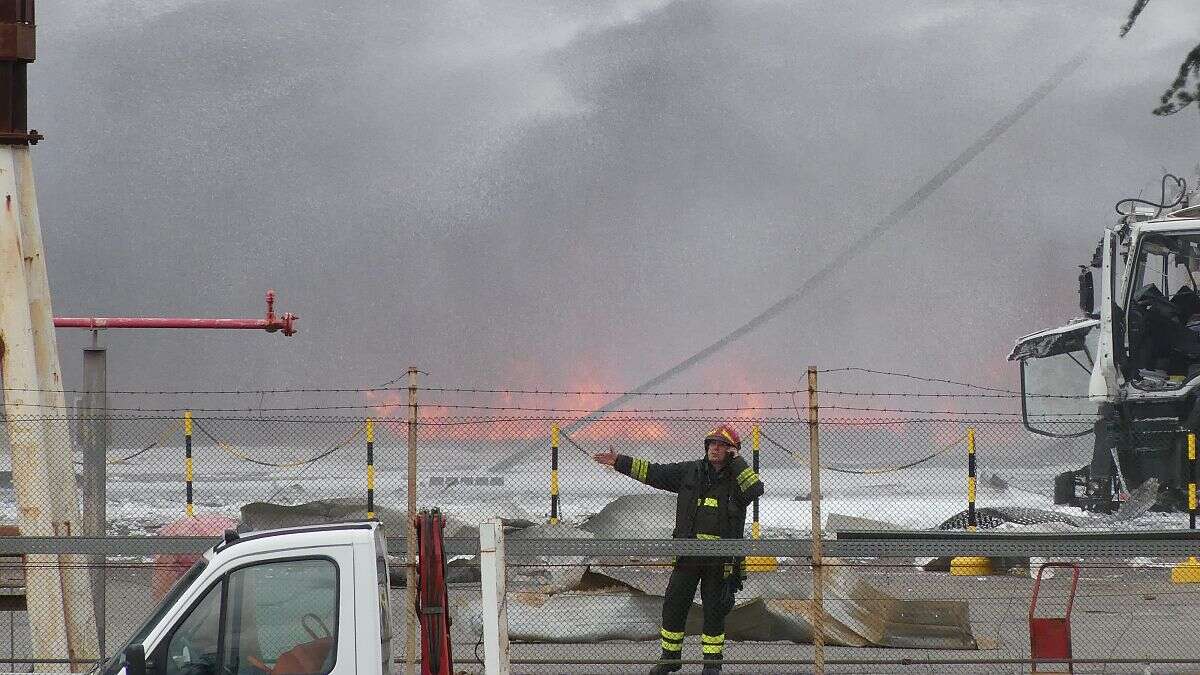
(117,661)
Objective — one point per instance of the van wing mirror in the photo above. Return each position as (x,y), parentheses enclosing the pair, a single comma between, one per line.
(1087,292)
(135,660)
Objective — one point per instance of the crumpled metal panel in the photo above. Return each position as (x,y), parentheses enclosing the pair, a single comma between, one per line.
(626,603)
(1062,340)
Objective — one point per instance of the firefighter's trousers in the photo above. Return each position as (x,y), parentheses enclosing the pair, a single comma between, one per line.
(681,589)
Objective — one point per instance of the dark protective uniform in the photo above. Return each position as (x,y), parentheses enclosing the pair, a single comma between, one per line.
(711,505)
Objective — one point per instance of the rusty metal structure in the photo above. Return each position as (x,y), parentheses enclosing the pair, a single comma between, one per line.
(59,590)
(18,47)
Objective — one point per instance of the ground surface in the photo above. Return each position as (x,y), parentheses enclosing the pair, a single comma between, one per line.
(1119,613)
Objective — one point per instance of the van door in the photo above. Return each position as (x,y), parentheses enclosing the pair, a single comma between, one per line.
(268,616)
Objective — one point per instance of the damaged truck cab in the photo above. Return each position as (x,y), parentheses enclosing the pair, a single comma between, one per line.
(1132,360)
(308,600)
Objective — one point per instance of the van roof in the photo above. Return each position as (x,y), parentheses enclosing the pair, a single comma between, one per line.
(233,539)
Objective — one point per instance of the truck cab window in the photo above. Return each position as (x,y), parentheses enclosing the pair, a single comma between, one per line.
(1163,322)
(282,618)
(192,649)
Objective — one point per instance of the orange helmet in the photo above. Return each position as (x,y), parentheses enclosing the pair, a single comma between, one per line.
(724,434)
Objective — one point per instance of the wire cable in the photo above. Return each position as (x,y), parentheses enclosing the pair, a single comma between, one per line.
(1161,204)
(229,449)
(918,378)
(869,471)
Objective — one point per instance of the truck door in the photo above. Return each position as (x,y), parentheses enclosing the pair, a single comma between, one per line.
(271,616)
(1110,349)
(1056,368)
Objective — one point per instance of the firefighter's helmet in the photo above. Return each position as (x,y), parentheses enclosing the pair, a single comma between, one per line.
(724,434)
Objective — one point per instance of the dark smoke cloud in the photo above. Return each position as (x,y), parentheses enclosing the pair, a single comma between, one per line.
(524,192)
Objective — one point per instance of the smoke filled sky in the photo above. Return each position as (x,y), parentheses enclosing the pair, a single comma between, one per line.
(583,193)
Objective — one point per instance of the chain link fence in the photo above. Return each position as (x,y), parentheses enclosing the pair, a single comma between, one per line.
(596,613)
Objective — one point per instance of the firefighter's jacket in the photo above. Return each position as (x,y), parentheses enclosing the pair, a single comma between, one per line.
(712,504)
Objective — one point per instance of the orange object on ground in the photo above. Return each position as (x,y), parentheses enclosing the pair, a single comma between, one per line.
(169,567)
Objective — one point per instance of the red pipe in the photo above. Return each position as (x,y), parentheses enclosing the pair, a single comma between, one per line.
(271,323)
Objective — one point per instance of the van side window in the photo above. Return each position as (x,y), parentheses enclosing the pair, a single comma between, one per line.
(192,649)
(282,618)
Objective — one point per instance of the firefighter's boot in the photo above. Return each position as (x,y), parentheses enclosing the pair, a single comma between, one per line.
(664,668)
(712,668)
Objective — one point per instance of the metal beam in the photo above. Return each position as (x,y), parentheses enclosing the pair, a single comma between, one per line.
(1180,543)
(1171,543)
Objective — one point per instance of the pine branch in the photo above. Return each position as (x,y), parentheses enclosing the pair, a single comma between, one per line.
(1178,96)
(1134,13)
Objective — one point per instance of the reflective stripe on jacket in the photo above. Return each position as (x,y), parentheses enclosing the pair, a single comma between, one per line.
(734,488)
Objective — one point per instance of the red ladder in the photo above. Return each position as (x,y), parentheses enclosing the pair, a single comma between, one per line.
(433,606)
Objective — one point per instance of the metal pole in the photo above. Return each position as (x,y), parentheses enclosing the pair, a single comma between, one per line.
(35,480)
(495,612)
(370,469)
(553,474)
(95,433)
(95,459)
(1192,480)
(814,473)
(190,509)
(755,527)
(61,615)
(971,522)
(410,570)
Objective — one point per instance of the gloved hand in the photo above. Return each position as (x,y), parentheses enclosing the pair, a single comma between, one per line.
(729,588)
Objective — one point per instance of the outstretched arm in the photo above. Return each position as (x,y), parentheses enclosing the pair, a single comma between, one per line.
(662,476)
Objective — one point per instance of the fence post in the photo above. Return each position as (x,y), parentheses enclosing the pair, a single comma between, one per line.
(1188,571)
(495,609)
(1192,480)
(187,460)
(554,474)
(95,462)
(410,570)
(814,494)
(755,527)
(972,525)
(758,563)
(971,565)
(370,469)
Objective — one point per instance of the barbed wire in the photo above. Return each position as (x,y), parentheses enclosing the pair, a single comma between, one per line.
(462,390)
(957,412)
(869,471)
(447,420)
(902,394)
(455,406)
(229,449)
(919,378)
(997,393)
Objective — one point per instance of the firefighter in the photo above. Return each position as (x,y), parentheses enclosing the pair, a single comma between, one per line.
(713,495)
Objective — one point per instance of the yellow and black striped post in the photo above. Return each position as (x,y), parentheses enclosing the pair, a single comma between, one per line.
(971,523)
(187,459)
(1188,571)
(758,563)
(553,474)
(1192,480)
(969,566)
(370,469)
